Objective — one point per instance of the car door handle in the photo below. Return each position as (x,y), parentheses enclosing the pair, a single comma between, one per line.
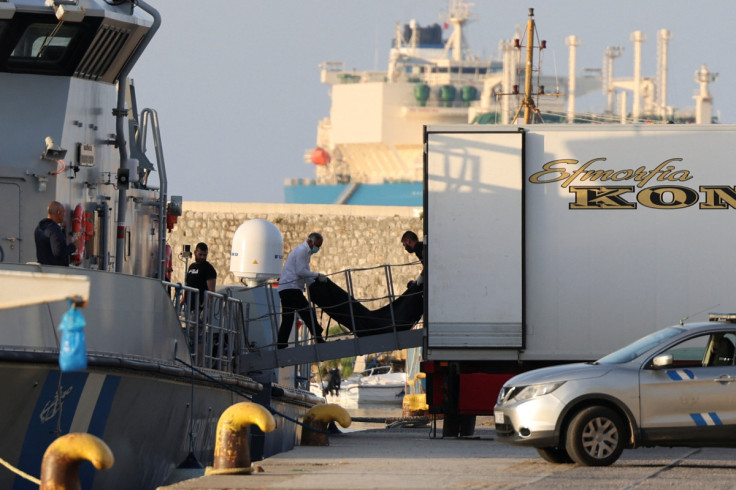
(724,379)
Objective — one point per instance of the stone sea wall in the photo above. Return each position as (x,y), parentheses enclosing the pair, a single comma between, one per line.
(355,237)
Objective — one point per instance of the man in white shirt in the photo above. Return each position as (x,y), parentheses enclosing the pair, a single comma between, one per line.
(294,277)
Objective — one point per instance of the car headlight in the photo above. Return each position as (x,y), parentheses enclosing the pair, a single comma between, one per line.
(521,393)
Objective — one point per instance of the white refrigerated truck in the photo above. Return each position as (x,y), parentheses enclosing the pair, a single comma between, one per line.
(559,243)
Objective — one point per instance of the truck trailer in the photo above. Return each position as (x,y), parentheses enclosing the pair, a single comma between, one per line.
(550,244)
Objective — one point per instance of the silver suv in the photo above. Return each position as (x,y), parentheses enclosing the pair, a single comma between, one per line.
(675,387)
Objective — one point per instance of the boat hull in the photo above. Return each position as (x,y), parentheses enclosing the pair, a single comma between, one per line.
(146,421)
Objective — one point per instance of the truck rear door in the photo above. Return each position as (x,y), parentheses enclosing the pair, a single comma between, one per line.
(473,227)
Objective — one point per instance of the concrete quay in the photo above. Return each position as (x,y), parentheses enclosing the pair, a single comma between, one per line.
(407,458)
(372,458)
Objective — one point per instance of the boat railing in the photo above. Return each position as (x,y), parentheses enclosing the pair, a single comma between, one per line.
(222,320)
(213,329)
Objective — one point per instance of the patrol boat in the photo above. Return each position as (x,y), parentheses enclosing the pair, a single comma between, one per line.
(71,132)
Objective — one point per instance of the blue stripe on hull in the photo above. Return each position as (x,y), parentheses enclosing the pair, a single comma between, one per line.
(52,417)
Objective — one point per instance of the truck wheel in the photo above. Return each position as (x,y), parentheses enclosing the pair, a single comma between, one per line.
(450,425)
(458,425)
(556,455)
(467,425)
(595,437)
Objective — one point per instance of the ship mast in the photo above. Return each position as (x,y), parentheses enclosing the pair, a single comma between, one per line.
(527,103)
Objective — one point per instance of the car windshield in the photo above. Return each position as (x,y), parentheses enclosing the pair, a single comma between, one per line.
(634,350)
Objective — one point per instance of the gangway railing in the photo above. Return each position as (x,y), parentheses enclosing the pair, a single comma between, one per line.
(349,343)
(214,329)
(221,331)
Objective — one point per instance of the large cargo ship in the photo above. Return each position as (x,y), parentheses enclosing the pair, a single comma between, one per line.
(369,150)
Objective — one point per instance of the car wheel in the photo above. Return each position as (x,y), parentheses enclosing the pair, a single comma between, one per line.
(556,455)
(595,437)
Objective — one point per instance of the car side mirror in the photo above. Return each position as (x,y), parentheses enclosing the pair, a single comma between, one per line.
(663,361)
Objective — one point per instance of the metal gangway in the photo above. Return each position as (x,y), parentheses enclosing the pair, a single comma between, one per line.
(235,329)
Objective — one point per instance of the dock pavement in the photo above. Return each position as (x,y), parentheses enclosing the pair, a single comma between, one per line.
(409,458)
(401,457)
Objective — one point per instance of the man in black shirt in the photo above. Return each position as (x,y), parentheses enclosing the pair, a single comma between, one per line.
(201,274)
(411,244)
(51,246)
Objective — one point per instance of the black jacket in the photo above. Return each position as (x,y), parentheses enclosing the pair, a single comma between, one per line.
(419,251)
(51,246)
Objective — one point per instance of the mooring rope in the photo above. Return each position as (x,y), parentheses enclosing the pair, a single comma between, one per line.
(240,393)
(19,472)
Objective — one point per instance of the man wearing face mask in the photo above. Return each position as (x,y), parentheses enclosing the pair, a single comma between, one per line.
(294,277)
(411,244)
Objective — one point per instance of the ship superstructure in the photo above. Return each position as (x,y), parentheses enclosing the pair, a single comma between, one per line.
(368,151)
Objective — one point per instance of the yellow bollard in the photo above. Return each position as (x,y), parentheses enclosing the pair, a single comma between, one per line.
(415,403)
(318,417)
(232,456)
(60,465)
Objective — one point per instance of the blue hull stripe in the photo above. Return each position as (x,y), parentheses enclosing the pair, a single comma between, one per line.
(45,421)
(52,417)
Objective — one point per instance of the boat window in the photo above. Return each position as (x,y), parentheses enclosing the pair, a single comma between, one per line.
(44,42)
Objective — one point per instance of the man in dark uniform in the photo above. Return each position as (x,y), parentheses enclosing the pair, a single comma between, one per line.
(411,244)
(201,274)
(51,246)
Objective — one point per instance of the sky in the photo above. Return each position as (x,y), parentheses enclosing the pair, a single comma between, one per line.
(236,84)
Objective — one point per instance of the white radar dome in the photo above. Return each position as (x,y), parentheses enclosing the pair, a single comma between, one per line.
(257,251)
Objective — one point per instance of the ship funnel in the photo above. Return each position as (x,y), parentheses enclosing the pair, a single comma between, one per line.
(257,251)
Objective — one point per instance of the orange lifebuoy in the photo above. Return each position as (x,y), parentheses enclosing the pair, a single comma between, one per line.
(168,267)
(79,225)
(89,228)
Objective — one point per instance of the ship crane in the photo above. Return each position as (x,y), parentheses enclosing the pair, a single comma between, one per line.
(643,89)
(653,93)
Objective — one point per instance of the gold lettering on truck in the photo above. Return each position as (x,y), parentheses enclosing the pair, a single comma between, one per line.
(567,171)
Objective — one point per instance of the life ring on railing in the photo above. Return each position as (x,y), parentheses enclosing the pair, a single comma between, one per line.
(168,266)
(81,231)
